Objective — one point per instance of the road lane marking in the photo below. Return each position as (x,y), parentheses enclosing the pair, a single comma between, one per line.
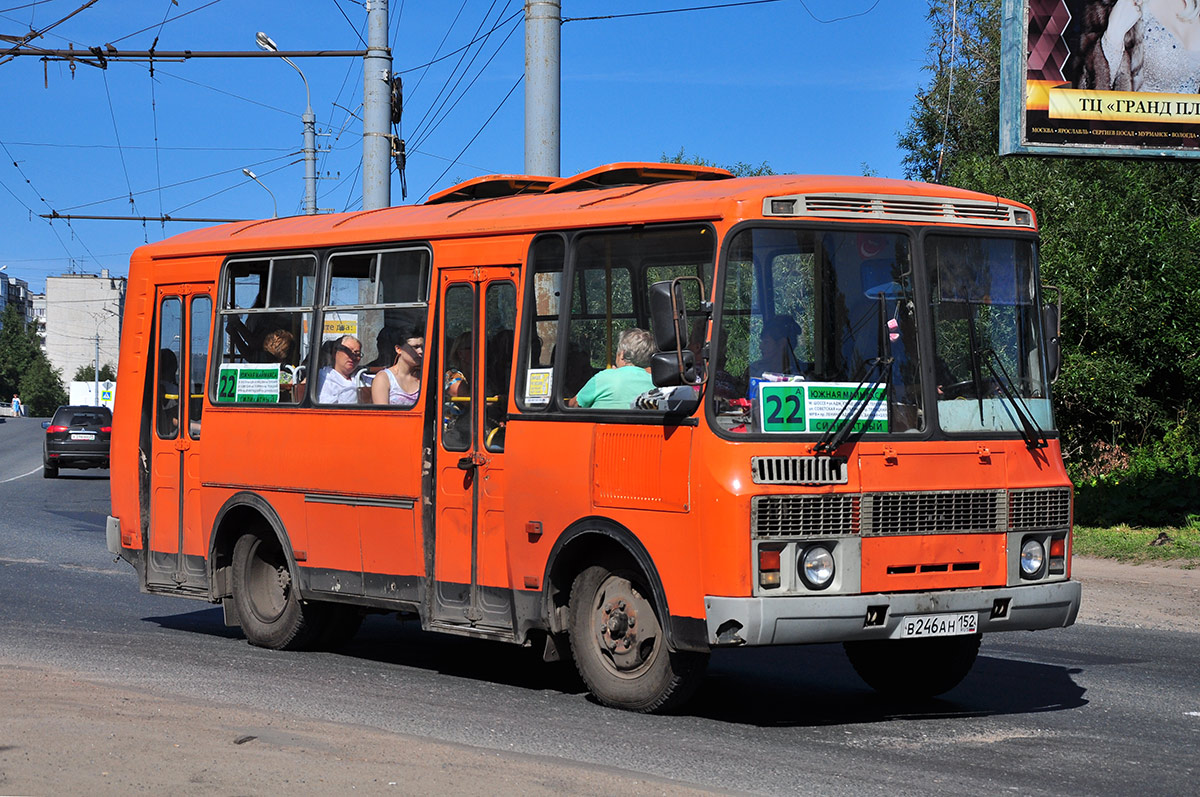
(23,475)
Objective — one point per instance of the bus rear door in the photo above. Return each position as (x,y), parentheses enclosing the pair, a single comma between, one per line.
(177,545)
(471,575)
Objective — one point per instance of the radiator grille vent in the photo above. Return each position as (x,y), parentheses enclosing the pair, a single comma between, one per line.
(1040,510)
(798,470)
(935,512)
(774,516)
(898,208)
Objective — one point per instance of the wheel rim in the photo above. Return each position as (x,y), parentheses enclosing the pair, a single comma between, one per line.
(269,582)
(627,631)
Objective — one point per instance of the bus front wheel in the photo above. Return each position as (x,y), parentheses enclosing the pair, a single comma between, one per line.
(268,605)
(914,667)
(619,646)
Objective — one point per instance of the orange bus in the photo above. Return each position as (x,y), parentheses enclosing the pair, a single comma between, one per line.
(632,415)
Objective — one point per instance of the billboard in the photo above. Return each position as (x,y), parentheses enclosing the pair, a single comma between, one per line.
(1114,78)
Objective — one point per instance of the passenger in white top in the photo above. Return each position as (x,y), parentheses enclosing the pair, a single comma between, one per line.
(335,385)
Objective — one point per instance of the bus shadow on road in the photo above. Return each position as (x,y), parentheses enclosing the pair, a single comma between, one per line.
(816,686)
(802,686)
(210,622)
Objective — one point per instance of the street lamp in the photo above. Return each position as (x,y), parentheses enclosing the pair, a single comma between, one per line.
(254,177)
(310,129)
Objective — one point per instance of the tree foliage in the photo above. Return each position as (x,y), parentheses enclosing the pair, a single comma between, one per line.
(739,169)
(24,369)
(1120,237)
(87,373)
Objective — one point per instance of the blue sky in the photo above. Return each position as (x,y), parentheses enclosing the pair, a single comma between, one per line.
(753,83)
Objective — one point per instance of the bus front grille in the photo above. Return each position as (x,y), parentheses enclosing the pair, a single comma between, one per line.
(798,470)
(935,512)
(1045,509)
(775,516)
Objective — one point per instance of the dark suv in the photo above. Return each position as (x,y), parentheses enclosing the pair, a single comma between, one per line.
(77,437)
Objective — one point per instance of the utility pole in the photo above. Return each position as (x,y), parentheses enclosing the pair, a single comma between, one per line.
(377,110)
(96,374)
(543,33)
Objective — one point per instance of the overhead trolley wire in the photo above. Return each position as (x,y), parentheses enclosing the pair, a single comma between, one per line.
(425,136)
(477,133)
(432,111)
(43,200)
(719,6)
(160,25)
(182,182)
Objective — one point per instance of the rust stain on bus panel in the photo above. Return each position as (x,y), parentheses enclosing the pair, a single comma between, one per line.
(933,561)
(640,467)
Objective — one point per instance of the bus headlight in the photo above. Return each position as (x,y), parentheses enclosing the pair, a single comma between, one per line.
(1033,558)
(816,567)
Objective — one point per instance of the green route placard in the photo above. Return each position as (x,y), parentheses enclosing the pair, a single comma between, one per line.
(248,383)
(792,407)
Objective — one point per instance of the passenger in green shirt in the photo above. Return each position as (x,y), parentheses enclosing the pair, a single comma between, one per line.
(616,388)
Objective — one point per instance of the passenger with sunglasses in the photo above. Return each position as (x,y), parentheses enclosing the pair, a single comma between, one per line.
(335,383)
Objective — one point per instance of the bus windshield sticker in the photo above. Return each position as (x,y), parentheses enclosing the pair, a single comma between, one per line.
(538,382)
(248,383)
(791,407)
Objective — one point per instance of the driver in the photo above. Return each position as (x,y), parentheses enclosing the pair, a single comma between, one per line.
(335,384)
(777,348)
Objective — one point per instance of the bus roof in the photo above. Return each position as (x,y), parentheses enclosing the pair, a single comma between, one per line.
(620,193)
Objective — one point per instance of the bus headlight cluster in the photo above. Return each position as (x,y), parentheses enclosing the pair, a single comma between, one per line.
(817,567)
(1033,558)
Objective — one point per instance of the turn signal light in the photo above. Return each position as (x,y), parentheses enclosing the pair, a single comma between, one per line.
(1058,555)
(768,567)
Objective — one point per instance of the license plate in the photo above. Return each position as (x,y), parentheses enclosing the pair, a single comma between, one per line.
(83,437)
(929,625)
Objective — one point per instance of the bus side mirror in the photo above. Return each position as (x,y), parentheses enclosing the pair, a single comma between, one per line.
(674,364)
(667,368)
(668,315)
(1052,325)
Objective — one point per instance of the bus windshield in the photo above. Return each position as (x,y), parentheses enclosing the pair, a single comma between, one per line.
(988,364)
(814,320)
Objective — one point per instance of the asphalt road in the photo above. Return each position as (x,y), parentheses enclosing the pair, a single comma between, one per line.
(1085,710)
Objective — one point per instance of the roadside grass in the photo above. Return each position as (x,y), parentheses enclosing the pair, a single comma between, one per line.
(1128,544)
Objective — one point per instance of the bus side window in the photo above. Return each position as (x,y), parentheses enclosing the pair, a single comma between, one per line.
(535,375)
(501,308)
(170,343)
(263,326)
(201,320)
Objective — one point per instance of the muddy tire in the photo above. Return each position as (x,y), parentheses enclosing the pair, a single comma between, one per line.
(914,668)
(620,648)
(266,598)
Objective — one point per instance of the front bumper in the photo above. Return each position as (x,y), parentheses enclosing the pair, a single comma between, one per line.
(792,620)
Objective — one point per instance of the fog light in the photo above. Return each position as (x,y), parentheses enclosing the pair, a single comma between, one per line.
(1033,558)
(816,566)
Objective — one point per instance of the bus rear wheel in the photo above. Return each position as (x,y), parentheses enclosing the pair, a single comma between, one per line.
(267,602)
(915,668)
(619,646)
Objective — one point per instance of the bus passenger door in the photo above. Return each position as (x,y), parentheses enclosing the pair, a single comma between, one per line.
(177,545)
(471,574)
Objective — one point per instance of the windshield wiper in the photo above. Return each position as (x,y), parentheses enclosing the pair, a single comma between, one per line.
(838,429)
(1034,436)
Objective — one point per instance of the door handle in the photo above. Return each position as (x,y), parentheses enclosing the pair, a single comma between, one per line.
(472,461)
